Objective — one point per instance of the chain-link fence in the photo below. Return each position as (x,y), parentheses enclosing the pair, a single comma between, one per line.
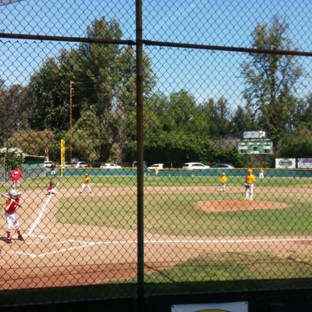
(168,152)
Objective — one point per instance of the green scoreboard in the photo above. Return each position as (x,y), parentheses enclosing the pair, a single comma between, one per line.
(255,147)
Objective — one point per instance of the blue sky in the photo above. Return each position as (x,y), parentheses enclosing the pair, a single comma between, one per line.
(203,73)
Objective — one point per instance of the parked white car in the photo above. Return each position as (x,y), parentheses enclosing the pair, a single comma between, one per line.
(47,164)
(110,166)
(154,166)
(81,164)
(194,165)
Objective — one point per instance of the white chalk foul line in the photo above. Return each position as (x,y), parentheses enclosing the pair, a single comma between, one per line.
(185,241)
(41,255)
(36,222)
(30,255)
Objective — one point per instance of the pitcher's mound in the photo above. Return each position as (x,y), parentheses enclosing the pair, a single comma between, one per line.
(238,205)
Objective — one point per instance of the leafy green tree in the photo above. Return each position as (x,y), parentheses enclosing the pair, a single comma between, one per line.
(103,78)
(105,75)
(179,113)
(14,111)
(219,117)
(227,154)
(11,157)
(176,129)
(2,85)
(104,82)
(87,137)
(48,97)
(242,121)
(298,143)
(303,111)
(271,78)
(33,142)
(176,146)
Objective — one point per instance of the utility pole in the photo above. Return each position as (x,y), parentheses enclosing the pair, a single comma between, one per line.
(70,120)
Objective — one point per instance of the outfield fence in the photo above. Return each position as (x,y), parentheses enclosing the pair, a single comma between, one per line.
(143,83)
(239,173)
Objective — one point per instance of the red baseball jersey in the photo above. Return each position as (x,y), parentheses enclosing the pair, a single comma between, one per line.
(16,174)
(13,206)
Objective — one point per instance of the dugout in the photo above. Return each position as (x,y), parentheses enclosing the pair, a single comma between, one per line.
(33,166)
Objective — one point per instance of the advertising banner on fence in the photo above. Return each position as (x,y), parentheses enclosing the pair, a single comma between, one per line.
(285,163)
(305,163)
(211,307)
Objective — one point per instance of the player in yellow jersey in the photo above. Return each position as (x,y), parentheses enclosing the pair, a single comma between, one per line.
(86,183)
(249,185)
(223,180)
(261,173)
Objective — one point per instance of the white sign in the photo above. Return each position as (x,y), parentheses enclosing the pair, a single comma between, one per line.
(285,163)
(211,307)
(304,162)
(249,135)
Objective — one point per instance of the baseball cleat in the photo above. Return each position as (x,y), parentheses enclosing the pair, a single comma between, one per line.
(20,237)
(8,240)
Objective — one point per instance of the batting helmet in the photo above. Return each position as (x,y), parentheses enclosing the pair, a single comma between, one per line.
(249,171)
(14,193)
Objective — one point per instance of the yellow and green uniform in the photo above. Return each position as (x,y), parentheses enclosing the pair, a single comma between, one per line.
(86,184)
(249,192)
(250,179)
(223,180)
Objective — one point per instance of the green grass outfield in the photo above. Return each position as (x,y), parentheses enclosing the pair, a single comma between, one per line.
(175,214)
(102,180)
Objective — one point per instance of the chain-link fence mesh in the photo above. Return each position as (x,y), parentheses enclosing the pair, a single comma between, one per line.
(227,147)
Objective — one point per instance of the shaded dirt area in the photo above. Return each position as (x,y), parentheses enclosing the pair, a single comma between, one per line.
(55,254)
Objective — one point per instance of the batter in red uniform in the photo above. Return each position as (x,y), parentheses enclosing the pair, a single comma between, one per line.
(16,177)
(10,208)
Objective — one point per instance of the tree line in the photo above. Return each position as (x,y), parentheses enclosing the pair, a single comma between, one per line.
(176,127)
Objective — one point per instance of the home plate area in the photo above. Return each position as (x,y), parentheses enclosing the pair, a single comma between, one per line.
(44,246)
(69,250)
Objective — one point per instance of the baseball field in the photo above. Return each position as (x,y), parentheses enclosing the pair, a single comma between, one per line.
(193,233)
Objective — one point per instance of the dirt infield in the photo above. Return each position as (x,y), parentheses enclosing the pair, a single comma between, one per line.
(55,254)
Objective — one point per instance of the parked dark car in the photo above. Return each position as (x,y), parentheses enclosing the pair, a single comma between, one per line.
(96,164)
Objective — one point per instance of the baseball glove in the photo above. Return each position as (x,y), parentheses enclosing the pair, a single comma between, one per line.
(247,185)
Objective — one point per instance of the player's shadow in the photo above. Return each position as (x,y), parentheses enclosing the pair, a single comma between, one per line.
(3,239)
